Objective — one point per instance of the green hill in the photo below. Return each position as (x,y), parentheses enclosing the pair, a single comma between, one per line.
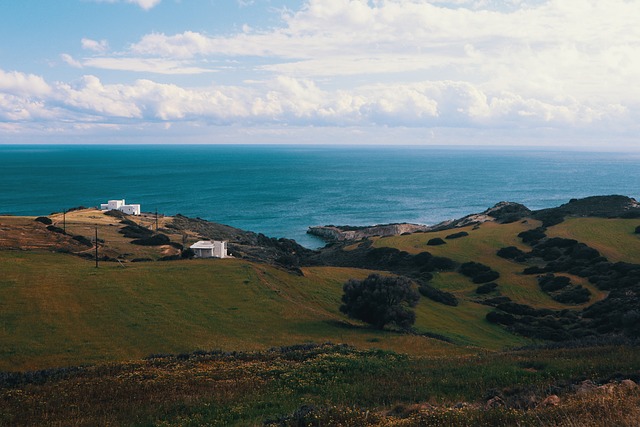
(222,319)
(59,310)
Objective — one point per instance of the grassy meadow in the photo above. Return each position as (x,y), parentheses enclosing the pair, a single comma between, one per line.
(481,246)
(59,310)
(614,238)
(200,342)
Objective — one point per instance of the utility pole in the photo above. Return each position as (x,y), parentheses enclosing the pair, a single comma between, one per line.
(96,246)
(156,219)
(64,220)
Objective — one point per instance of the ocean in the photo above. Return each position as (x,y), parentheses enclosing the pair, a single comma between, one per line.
(282,190)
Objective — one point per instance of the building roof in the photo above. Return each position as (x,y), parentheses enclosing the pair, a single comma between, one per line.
(203,244)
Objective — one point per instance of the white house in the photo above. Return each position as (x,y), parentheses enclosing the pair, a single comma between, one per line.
(210,249)
(120,205)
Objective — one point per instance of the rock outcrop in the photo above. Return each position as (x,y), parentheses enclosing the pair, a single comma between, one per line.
(502,212)
(342,233)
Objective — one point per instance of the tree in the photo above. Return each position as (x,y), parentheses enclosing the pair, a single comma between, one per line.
(380,300)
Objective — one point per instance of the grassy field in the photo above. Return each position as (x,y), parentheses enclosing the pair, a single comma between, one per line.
(58,310)
(481,246)
(614,238)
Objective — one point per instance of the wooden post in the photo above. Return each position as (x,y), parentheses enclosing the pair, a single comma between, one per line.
(96,246)
(64,220)
(156,219)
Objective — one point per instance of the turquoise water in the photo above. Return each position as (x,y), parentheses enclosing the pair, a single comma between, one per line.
(282,190)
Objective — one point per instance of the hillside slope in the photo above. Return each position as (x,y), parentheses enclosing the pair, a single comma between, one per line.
(58,309)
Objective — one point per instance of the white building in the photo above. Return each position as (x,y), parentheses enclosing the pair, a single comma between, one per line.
(120,205)
(210,249)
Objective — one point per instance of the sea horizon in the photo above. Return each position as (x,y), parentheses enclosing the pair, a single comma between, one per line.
(280,189)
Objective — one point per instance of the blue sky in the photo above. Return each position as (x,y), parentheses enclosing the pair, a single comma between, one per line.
(487,72)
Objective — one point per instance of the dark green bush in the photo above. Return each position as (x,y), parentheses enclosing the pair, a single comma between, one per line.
(83,240)
(551,283)
(135,231)
(532,236)
(511,252)
(438,295)
(44,220)
(380,300)
(488,276)
(155,240)
(55,229)
(436,241)
(457,235)
(486,288)
(575,295)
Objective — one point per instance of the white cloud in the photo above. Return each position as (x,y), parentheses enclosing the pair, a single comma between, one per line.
(299,102)
(582,48)
(69,60)
(144,4)
(20,84)
(470,64)
(145,65)
(94,45)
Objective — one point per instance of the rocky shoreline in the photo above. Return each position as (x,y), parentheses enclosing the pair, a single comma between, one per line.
(503,212)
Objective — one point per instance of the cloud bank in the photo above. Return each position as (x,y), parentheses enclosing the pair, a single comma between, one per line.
(570,65)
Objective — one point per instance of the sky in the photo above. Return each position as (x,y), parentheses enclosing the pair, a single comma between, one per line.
(431,72)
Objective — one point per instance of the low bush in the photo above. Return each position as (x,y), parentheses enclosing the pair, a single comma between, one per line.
(486,288)
(436,241)
(472,269)
(83,240)
(44,220)
(55,229)
(488,276)
(550,218)
(551,283)
(534,270)
(438,295)
(440,263)
(557,242)
(574,295)
(500,318)
(188,254)
(479,273)
(532,236)
(155,240)
(135,231)
(116,213)
(457,235)
(511,252)
(519,309)
(495,301)
(432,263)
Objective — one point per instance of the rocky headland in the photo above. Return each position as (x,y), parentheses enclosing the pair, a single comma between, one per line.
(614,206)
